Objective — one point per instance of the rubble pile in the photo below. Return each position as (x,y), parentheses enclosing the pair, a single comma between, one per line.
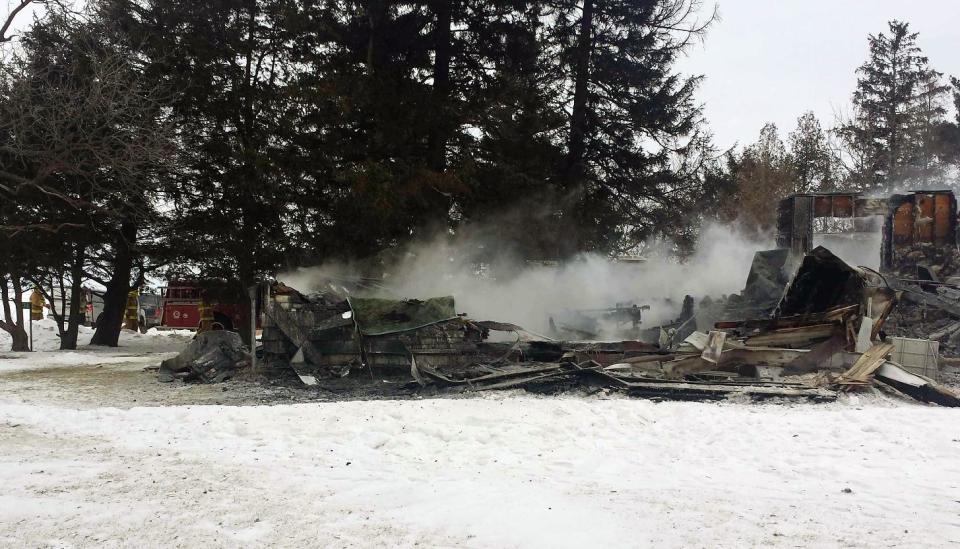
(812,335)
(922,321)
(211,357)
(943,261)
(806,325)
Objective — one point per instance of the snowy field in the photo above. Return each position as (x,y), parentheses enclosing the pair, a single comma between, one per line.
(95,453)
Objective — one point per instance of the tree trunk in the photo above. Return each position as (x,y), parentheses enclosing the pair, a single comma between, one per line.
(118,288)
(376,15)
(440,129)
(21,340)
(578,118)
(13,320)
(573,177)
(246,277)
(68,340)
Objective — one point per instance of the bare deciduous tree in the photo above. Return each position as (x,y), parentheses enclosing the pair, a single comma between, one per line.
(82,131)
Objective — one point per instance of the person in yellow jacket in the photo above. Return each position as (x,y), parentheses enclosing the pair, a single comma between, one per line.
(36,305)
(206,314)
(130,315)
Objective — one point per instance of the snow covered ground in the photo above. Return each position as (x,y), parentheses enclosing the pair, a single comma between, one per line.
(46,338)
(85,464)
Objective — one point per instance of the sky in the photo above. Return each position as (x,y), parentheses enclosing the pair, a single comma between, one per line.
(772,60)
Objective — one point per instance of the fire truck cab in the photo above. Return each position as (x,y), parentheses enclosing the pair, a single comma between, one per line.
(188,303)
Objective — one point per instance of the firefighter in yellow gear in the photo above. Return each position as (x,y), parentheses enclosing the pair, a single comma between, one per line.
(206,314)
(83,307)
(130,315)
(36,305)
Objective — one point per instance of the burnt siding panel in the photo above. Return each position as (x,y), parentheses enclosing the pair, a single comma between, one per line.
(785,223)
(802,225)
(944,218)
(923,220)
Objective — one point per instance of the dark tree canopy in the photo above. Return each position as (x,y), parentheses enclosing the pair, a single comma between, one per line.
(279,133)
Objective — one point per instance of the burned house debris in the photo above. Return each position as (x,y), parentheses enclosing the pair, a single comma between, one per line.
(918,229)
(211,357)
(621,320)
(824,335)
(806,325)
(918,255)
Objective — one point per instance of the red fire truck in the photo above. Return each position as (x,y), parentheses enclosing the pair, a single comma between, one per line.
(184,302)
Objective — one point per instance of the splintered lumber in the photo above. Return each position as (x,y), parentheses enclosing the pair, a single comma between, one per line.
(693,390)
(523,373)
(763,356)
(731,358)
(918,387)
(689,390)
(866,365)
(589,373)
(945,332)
(818,357)
(687,365)
(792,336)
(832,316)
(647,358)
(881,311)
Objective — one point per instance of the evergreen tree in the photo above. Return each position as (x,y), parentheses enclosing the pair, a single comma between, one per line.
(632,120)
(512,186)
(947,135)
(83,135)
(764,175)
(897,102)
(811,156)
(230,63)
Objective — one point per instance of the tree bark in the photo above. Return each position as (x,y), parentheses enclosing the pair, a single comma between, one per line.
(578,119)
(118,288)
(20,340)
(68,340)
(440,129)
(13,321)
(376,15)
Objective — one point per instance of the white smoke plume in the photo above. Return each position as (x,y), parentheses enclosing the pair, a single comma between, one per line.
(510,290)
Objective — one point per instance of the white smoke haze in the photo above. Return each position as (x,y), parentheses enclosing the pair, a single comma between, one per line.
(857,249)
(510,290)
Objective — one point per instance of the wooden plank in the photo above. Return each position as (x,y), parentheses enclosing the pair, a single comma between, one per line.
(835,315)
(694,391)
(688,365)
(814,359)
(792,336)
(866,365)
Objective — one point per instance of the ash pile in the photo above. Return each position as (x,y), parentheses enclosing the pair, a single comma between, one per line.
(807,329)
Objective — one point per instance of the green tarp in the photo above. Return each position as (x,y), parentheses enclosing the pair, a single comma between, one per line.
(387,316)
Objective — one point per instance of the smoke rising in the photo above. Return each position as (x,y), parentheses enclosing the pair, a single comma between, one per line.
(508,289)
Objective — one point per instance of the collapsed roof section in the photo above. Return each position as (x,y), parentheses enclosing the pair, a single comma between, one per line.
(330,333)
(823,281)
